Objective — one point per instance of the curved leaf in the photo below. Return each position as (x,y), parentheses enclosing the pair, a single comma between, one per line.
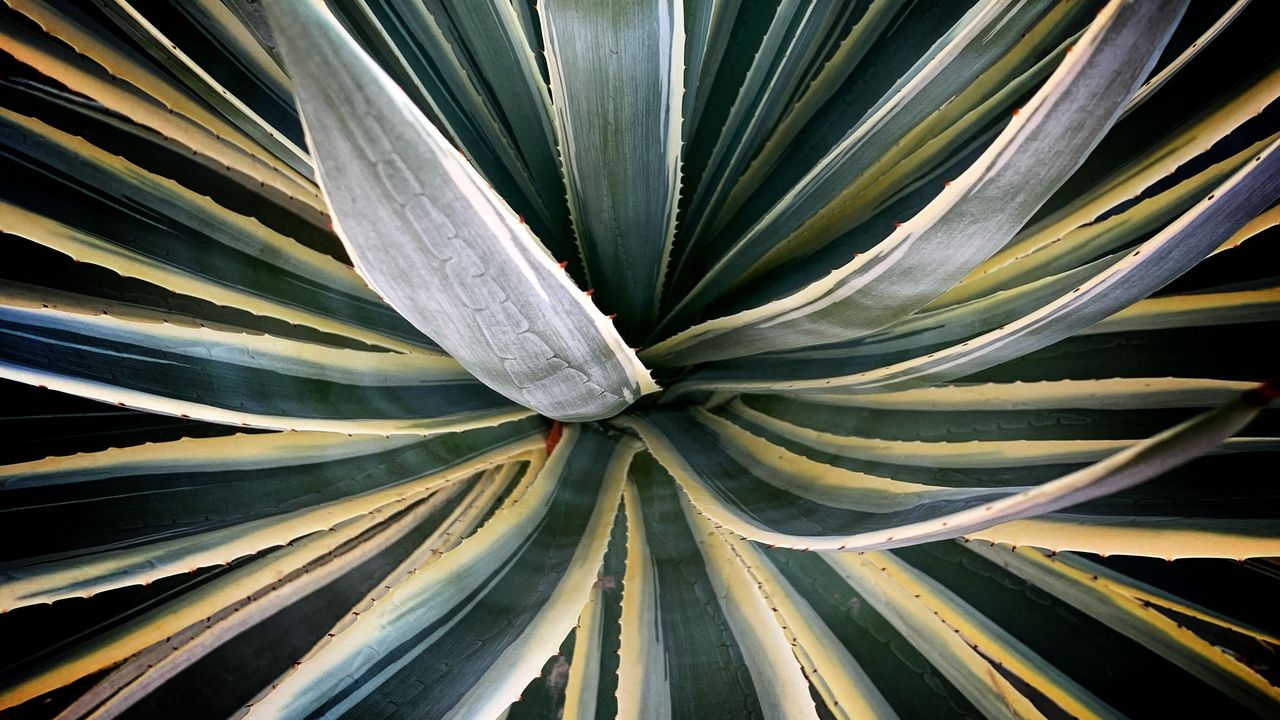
(831,514)
(972,218)
(394,652)
(441,246)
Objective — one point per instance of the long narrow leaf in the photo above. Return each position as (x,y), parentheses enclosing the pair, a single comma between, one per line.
(970,219)
(620,136)
(807,515)
(441,246)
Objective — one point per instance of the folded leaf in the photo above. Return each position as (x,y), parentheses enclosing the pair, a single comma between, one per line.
(439,244)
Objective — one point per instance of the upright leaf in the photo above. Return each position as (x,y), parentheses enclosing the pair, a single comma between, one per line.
(617,83)
(439,244)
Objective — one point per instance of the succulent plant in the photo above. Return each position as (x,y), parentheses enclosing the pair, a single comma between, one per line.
(639,359)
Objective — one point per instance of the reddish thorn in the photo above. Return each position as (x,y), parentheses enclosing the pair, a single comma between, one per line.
(553,435)
(946,183)
(1264,394)
(611,316)
(564,264)
(591,291)
(1016,111)
(521,219)
(897,224)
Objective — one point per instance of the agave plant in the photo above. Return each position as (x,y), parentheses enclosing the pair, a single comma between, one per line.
(639,359)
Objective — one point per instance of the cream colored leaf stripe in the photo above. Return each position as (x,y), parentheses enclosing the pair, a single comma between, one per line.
(86,576)
(962,644)
(400,631)
(963,454)
(751,506)
(1138,616)
(1167,538)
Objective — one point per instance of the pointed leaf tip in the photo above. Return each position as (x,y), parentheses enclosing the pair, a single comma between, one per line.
(430,234)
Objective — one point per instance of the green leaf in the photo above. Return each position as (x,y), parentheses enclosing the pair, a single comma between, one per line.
(1154,263)
(963,454)
(1143,617)
(807,510)
(171,637)
(305,499)
(946,82)
(328,556)
(1167,538)
(173,54)
(441,246)
(183,240)
(620,138)
(517,586)
(697,637)
(1105,213)
(1167,73)
(143,95)
(794,42)
(411,46)
(174,365)
(874,19)
(853,634)
(1001,676)
(1105,394)
(832,671)
(492,33)
(1130,677)
(970,219)
(1192,310)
